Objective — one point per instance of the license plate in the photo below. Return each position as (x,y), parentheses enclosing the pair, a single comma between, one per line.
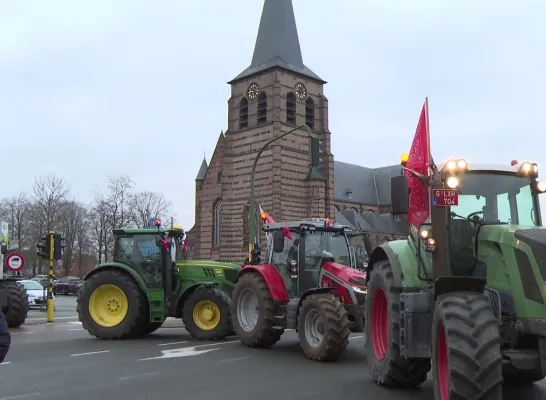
(445,197)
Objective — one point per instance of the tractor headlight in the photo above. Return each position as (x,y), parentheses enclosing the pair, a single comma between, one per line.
(360,289)
(456,165)
(424,233)
(452,182)
(528,169)
(541,186)
(431,245)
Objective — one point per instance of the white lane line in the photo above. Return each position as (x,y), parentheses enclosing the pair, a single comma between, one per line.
(6,363)
(124,378)
(76,329)
(90,353)
(172,343)
(44,318)
(74,322)
(234,359)
(217,344)
(21,333)
(356,337)
(21,396)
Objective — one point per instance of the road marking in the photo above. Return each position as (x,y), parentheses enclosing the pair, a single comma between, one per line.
(182,352)
(21,333)
(234,359)
(21,396)
(218,344)
(356,337)
(137,376)
(5,363)
(74,322)
(90,353)
(75,329)
(44,318)
(169,344)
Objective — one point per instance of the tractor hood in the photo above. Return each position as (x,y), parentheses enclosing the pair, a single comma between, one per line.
(510,234)
(350,275)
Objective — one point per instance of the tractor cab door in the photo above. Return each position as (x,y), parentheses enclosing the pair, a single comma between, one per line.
(310,260)
(285,258)
(141,253)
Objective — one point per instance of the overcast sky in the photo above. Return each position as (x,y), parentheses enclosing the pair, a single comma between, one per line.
(91,88)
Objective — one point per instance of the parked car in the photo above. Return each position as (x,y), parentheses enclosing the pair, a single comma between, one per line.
(37,295)
(67,285)
(41,277)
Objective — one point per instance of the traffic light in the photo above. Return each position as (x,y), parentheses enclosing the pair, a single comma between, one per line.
(58,246)
(3,248)
(43,247)
(316,152)
(256,255)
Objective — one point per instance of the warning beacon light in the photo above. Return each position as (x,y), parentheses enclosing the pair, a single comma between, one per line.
(404,159)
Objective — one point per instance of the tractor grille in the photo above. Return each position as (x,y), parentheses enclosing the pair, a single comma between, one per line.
(508,307)
(209,272)
(231,274)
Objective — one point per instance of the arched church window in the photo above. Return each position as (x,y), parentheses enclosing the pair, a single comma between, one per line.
(291,108)
(310,113)
(217,224)
(243,113)
(262,108)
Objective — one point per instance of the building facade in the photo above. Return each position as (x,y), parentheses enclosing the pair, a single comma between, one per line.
(274,95)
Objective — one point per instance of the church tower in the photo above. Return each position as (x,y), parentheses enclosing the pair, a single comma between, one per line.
(274,94)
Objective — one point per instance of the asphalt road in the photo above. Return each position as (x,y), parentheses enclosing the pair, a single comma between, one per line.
(65,310)
(61,361)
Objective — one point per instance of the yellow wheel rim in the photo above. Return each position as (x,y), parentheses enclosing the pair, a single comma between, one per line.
(206,315)
(108,306)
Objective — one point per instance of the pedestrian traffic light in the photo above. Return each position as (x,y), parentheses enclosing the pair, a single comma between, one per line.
(58,246)
(3,248)
(43,247)
(316,152)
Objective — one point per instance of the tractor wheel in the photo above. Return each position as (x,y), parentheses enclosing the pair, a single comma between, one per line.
(111,306)
(323,327)
(17,308)
(382,316)
(466,354)
(148,327)
(253,312)
(206,314)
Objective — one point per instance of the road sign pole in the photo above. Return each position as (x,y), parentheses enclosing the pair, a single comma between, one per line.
(1,266)
(50,304)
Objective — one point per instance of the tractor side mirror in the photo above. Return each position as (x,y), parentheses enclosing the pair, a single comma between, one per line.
(400,195)
(278,241)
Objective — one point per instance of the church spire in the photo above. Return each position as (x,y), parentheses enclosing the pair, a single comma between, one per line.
(277,44)
(202,171)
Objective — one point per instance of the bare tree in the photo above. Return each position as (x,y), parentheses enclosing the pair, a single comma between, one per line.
(117,198)
(15,211)
(145,205)
(71,220)
(50,194)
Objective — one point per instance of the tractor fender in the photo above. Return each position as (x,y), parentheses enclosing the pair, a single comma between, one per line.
(119,267)
(272,278)
(382,253)
(188,292)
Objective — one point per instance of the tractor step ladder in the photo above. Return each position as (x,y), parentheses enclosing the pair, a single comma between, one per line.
(156,298)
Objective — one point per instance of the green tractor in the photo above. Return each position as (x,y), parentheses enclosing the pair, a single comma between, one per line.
(463,295)
(13,296)
(148,281)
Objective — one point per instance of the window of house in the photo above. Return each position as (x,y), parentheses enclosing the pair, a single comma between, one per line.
(219,177)
(310,113)
(262,108)
(217,224)
(243,113)
(291,108)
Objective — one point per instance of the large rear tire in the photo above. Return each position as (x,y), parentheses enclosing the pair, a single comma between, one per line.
(382,316)
(17,307)
(253,312)
(111,306)
(206,314)
(323,327)
(467,359)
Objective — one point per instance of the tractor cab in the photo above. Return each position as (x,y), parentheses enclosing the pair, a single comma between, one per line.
(477,203)
(299,249)
(152,253)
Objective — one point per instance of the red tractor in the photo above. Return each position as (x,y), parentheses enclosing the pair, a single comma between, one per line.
(305,284)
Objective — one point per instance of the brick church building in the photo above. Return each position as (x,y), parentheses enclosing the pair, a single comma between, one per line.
(276,93)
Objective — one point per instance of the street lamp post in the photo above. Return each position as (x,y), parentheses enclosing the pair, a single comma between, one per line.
(252,234)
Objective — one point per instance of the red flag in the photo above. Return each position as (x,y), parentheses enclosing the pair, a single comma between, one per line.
(419,161)
(266,218)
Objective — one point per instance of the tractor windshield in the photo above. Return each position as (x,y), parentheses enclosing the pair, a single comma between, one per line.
(497,198)
(334,243)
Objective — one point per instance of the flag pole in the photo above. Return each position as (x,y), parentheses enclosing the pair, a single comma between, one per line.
(428,132)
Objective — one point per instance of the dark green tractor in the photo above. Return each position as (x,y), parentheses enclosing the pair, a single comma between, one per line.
(463,295)
(148,281)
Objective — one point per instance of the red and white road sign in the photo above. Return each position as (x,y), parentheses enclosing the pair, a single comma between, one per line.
(15,262)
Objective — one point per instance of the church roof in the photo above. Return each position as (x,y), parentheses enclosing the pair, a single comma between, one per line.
(277,43)
(202,171)
(362,185)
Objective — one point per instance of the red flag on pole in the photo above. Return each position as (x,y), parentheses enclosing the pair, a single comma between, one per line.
(266,218)
(419,161)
